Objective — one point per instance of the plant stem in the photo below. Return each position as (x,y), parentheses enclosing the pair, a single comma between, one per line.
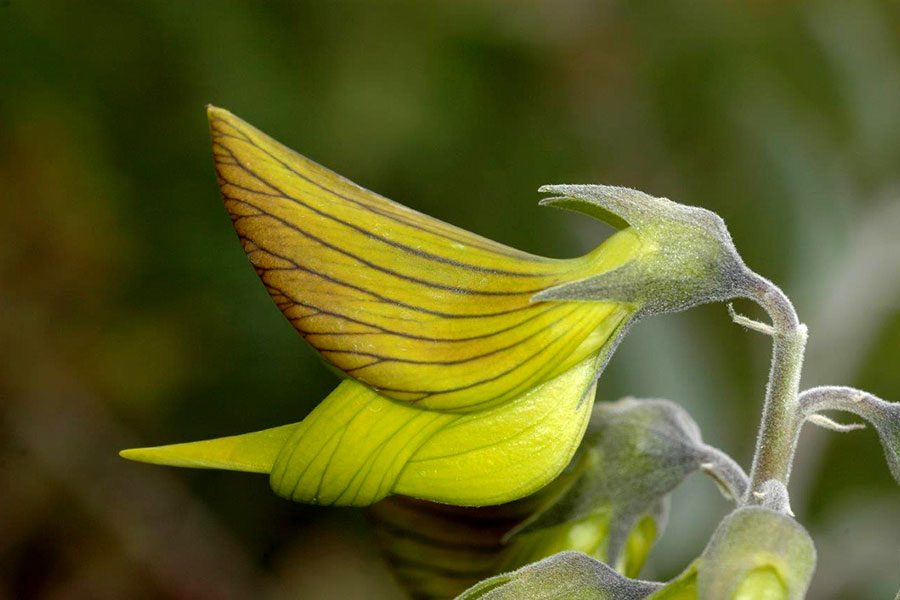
(781,418)
(847,399)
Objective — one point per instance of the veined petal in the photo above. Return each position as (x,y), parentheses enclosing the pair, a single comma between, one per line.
(417,309)
(357,447)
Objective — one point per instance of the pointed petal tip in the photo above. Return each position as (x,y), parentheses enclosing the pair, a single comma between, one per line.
(214,112)
(216,117)
(174,455)
(131,454)
(250,452)
(156,455)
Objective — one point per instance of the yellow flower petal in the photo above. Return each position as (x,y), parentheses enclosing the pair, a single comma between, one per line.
(357,447)
(249,452)
(417,309)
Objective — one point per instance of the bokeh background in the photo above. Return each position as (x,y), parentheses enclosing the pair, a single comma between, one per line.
(130,316)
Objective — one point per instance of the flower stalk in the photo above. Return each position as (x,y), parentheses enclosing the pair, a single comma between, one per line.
(882,415)
(782,417)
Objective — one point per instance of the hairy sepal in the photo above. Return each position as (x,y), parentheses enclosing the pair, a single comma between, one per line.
(688,256)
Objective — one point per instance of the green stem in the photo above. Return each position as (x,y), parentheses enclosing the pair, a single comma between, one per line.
(781,418)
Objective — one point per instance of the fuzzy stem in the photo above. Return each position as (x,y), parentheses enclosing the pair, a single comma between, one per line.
(781,418)
(883,415)
(839,397)
(727,473)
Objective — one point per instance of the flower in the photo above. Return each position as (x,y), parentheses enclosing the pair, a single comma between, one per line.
(470,366)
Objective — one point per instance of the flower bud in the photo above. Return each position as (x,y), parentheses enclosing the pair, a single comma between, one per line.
(757,553)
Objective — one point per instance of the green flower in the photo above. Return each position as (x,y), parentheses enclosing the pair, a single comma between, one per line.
(469,366)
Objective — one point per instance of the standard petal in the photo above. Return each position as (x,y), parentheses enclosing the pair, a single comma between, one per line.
(415,308)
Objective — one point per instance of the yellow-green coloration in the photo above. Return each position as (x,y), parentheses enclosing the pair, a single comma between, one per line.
(683,587)
(357,447)
(589,535)
(460,388)
(762,583)
(754,554)
(438,551)
(757,553)
(638,546)
(417,309)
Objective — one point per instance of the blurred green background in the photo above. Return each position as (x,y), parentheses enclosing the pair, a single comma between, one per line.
(129,314)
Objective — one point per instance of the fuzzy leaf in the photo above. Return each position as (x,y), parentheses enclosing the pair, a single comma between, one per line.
(888,425)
